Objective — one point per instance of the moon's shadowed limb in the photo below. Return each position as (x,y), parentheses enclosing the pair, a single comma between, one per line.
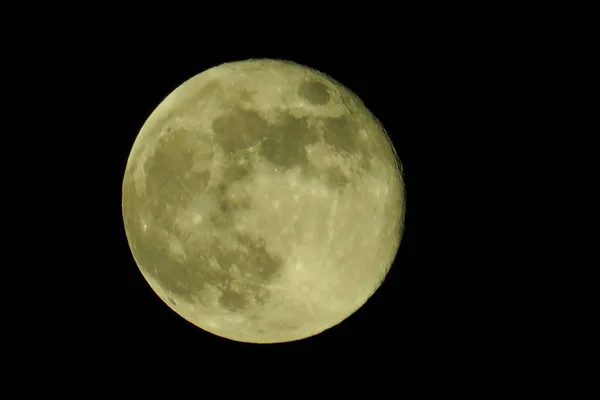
(238,193)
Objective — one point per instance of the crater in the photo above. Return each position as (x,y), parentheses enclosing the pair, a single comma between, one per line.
(314,92)
(285,142)
(238,129)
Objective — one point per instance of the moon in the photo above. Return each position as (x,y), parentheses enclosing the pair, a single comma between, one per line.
(263,202)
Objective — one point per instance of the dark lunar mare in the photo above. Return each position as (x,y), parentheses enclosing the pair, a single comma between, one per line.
(167,192)
(314,92)
(284,144)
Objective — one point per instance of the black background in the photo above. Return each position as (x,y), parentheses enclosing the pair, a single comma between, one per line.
(462,92)
(423,85)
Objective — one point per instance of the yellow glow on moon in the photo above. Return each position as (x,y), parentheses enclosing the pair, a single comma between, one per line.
(263,202)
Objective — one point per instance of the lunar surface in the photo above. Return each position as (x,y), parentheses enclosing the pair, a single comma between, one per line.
(263,202)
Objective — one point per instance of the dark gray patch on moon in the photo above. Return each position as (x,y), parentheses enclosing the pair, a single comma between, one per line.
(157,261)
(227,207)
(341,133)
(165,182)
(238,169)
(238,129)
(285,142)
(232,301)
(247,95)
(333,177)
(254,264)
(314,92)
(169,189)
(240,264)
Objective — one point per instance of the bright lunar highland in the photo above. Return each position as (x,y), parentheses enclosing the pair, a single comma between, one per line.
(263,202)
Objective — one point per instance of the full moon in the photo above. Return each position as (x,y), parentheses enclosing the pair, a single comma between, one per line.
(263,202)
